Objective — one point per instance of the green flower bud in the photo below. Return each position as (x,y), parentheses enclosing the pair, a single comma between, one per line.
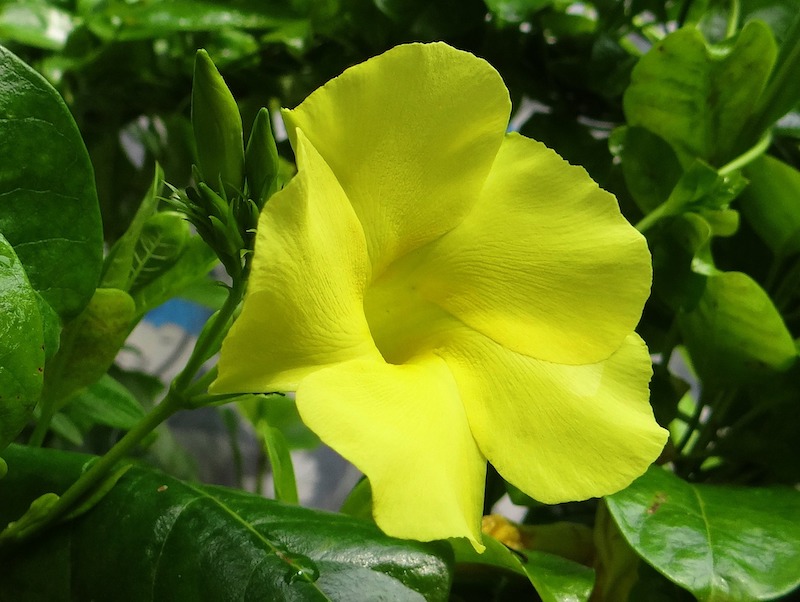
(217,128)
(261,160)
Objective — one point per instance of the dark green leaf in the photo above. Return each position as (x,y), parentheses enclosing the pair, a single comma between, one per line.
(735,335)
(48,204)
(21,346)
(154,537)
(699,98)
(649,165)
(771,204)
(724,544)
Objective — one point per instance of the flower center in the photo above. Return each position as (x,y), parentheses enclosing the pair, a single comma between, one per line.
(403,323)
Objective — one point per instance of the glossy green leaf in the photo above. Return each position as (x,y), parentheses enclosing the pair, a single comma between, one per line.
(217,128)
(771,204)
(153,537)
(35,23)
(555,579)
(89,344)
(21,346)
(123,20)
(723,544)
(48,204)
(735,335)
(699,98)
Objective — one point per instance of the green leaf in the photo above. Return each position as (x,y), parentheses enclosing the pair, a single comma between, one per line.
(118,265)
(277,450)
(192,266)
(89,344)
(161,242)
(35,23)
(555,579)
(154,537)
(48,204)
(21,346)
(725,544)
(120,20)
(703,190)
(783,90)
(106,402)
(699,98)
(649,164)
(735,335)
(217,128)
(771,203)
(515,11)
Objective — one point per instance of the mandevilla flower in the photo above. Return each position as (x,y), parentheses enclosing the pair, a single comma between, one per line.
(440,293)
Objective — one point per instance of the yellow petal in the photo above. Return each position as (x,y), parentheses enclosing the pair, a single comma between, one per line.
(405,428)
(545,264)
(559,433)
(304,302)
(411,135)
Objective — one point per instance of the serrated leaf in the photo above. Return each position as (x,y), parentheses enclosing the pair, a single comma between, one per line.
(735,335)
(21,346)
(154,537)
(725,544)
(48,203)
(699,98)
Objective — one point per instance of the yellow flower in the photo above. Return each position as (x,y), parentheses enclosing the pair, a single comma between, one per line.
(440,293)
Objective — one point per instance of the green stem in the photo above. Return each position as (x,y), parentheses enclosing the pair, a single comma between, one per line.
(691,426)
(733,19)
(43,424)
(207,344)
(708,433)
(210,339)
(752,153)
(651,218)
(98,470)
